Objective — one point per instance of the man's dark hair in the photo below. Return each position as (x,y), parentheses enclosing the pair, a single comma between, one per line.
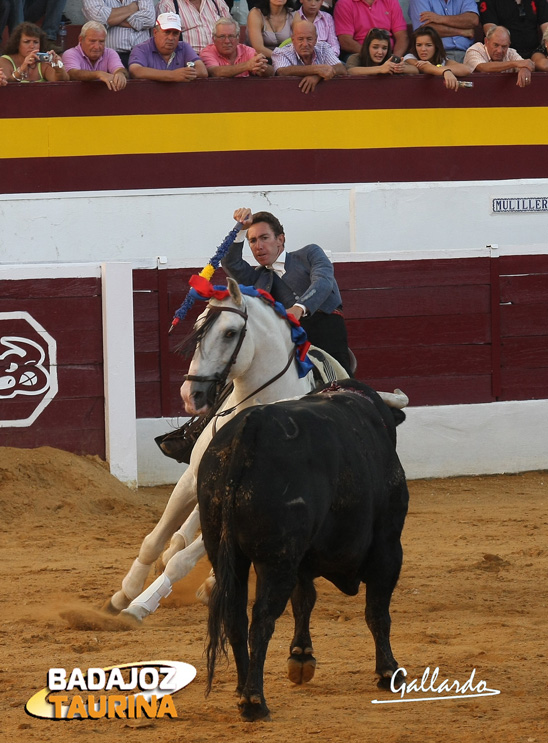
(270,219)
(29,29)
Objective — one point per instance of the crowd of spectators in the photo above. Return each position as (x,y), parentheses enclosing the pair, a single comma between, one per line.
(185,40)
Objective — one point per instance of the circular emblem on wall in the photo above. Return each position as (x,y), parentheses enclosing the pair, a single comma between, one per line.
(28,369)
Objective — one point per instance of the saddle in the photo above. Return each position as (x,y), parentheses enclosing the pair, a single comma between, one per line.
(326,368)
(179,444)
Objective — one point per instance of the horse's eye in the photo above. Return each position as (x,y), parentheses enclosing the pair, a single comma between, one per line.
(230,334)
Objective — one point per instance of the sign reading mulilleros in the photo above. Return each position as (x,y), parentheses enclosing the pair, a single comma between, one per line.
(521,205)
(28,369)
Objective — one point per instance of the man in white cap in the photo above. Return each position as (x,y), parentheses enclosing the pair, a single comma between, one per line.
(163,57)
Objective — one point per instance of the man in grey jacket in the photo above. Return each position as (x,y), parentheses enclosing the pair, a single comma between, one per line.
(302,280)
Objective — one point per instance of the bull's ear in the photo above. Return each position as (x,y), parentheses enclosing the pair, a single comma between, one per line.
(235,292)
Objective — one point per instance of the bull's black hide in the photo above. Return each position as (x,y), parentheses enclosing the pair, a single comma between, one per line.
(301,489)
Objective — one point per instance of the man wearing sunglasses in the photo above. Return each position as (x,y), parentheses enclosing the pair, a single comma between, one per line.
(355,18)
(522,18)
(226,58)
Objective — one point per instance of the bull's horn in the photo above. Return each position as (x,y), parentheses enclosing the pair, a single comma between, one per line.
(396,399)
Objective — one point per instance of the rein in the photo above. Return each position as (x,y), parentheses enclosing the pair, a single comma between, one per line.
(219,379)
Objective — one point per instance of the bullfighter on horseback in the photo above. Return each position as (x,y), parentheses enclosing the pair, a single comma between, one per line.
(302,280)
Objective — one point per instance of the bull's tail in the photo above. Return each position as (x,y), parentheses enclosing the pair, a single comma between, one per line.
(223,599)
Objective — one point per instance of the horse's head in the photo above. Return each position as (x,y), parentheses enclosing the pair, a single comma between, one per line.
(221,353)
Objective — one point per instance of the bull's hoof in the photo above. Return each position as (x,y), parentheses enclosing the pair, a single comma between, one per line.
(253,709)
(384,680)
(301,667)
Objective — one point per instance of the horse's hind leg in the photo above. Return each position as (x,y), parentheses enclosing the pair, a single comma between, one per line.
(301,664)
(181,500)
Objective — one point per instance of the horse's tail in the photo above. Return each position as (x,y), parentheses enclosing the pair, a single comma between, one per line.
(223,599)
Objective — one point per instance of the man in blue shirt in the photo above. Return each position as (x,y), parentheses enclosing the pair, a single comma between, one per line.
(454,20)
(163,57)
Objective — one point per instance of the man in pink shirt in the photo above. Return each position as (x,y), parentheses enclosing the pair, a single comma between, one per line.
(91,60)
(354,18)
(226,58)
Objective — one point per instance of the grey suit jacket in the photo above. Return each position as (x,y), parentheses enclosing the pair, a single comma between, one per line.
(308,279)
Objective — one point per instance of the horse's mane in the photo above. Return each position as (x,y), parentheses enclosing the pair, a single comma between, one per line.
(186,347)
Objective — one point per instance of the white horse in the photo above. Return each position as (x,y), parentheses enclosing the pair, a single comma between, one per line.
(254,342)
(266,350)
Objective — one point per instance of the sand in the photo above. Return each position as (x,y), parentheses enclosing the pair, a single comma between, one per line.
(471,598)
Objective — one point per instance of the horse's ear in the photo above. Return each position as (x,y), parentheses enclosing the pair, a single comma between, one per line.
(235,292)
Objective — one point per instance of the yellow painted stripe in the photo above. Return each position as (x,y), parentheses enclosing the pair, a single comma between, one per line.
(271,130)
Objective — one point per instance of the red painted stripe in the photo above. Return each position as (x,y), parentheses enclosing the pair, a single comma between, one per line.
(201,170)
(253,94)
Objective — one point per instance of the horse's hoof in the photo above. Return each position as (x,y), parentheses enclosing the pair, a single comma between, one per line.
(109,608)
(204,591)
(253,711)
(301,668)
(136,613)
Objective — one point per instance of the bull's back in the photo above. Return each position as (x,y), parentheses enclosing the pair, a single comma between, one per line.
(310,475)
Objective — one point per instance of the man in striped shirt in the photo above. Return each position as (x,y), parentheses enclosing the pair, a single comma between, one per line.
(307,57)
(198,18)
(128,22)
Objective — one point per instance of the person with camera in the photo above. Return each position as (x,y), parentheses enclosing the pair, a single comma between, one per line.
(91,60)
(26,59)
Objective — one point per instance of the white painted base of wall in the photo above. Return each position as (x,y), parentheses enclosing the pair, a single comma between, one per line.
(437,441)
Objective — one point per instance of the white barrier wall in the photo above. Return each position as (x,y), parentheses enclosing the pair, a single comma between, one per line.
(437,441)
(378,221)
(354,223)
(448,218)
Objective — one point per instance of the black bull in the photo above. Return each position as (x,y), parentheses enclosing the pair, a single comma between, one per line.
(301,489)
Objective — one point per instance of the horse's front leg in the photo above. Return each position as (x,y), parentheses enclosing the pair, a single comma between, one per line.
(183,537)
(181,500)
(180,565)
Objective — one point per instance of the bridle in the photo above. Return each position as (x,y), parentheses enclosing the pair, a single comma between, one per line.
(218,390)
(218,380)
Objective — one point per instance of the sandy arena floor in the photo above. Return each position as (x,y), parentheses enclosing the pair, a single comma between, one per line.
(472,595)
